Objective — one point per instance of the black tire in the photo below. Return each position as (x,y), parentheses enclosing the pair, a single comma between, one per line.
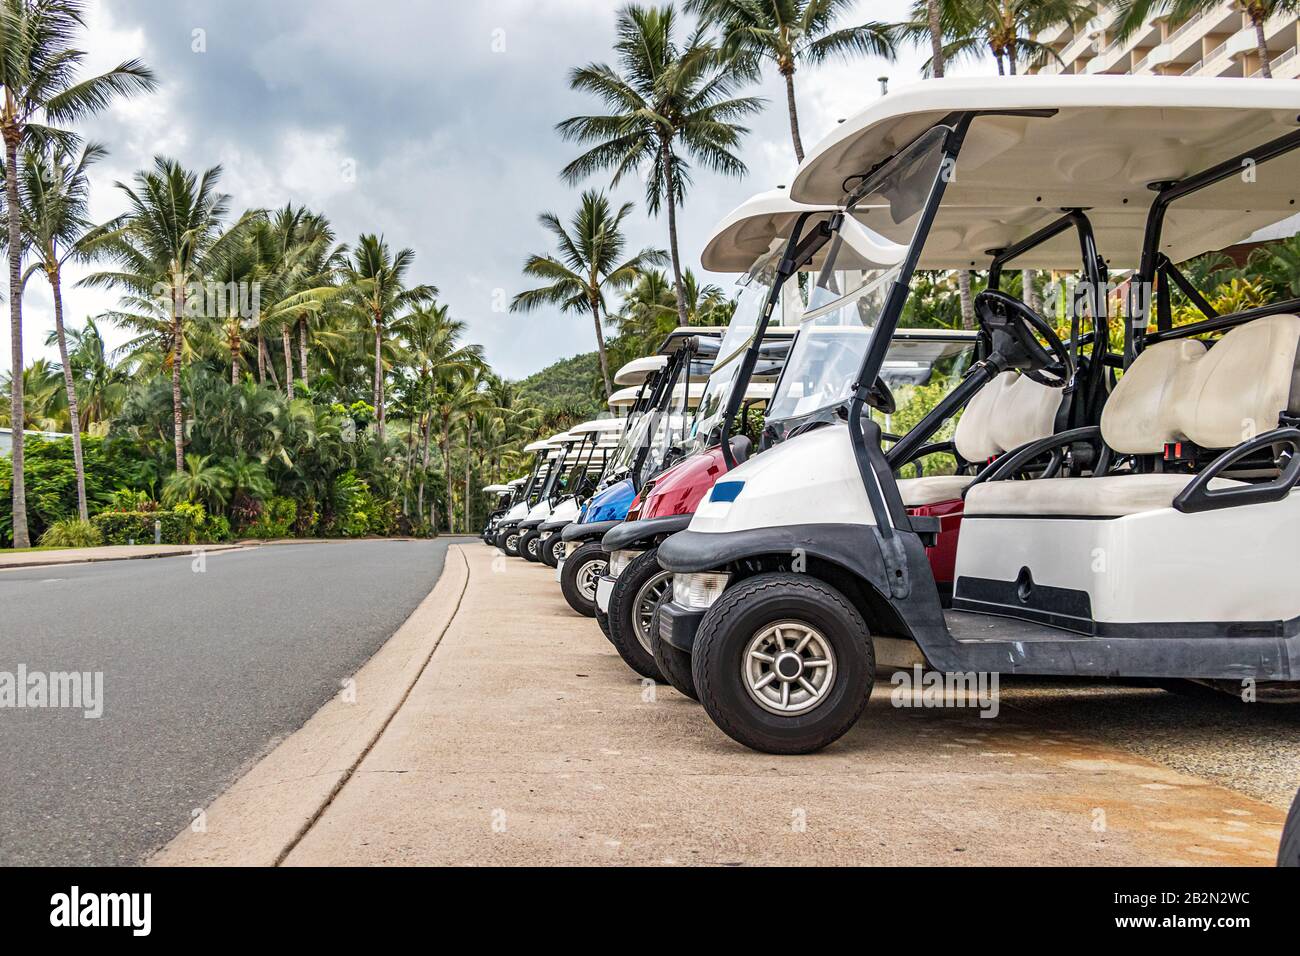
(742,614)
(641,581)
(509,542)
(603,620)
(528,544)
(673,663)
(589,562)
(1288,854)
(548,549)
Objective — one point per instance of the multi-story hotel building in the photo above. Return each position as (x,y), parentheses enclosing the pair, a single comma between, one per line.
(1218,42)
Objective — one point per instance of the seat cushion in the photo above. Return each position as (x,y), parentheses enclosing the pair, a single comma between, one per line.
(932,489)
(1109,497)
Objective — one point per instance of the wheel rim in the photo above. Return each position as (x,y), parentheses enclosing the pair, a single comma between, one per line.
(532,546)
(512,542)
(587,577)
(788,668)
(644,606)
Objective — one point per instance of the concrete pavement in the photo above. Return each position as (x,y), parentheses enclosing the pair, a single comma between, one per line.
(525,740)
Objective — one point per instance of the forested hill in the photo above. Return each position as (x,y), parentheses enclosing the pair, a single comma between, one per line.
(572,384)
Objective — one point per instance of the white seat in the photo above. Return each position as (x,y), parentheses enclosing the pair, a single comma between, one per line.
(1175,391)
(1009,411)
(1110,497)
(932,489)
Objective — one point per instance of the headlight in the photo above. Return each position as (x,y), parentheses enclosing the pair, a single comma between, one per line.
(620,560)
(698,591)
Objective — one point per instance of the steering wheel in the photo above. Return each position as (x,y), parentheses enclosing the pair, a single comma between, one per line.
(1018,334)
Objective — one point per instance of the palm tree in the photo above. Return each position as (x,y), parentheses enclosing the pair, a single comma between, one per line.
(1005,28)
(791,32)
(434,353)
(38,70)
(376,286)
(934,25)
(53,191)
(171,243)
(670,104)
(588,265)
(1131,14)
(100,383)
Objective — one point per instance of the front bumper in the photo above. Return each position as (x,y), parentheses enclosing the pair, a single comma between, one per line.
(639,535)
(529,523)
(678,625)
(582,531)
(604,590)
(554,524)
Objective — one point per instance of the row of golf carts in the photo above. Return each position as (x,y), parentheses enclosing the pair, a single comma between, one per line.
(770,507)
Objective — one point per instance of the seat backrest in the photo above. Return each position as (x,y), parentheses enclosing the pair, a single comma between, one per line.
(1008,412)
(1216,398)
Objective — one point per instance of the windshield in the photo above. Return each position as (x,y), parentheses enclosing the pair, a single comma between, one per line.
(866,257)
(755,290)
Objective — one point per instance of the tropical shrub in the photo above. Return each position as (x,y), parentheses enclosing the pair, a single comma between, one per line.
(71,533)
(123,527)
(275,520)
(52,481)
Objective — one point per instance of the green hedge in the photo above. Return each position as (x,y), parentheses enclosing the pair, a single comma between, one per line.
(119,527)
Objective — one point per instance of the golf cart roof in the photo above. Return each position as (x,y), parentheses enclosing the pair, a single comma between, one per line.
(638,370)
(679,336)
(624,398)
(597,426)
(749,230)
(516,482)
(558,439)
(537,446)
(495,489)
(1090,142)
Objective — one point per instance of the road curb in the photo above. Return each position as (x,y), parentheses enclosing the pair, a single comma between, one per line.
(264,814)
(180,551)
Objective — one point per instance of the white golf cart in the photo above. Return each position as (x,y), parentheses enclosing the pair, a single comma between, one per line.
(1161,542)
(502,494)
(646,449)
(592,444)
(544,455)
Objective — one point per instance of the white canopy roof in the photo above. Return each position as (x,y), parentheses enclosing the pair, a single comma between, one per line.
(495,489)
(749,230)
(638,370)
(516,482)
(537,446)
(1109,138)
(558,439)
(597,426)
(624,397)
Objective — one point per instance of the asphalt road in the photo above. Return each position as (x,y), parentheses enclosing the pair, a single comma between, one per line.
(202,674)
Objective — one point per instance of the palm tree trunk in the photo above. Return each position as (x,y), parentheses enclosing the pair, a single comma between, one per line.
(669,178)
(235,346)
(1029,294)
(16,417)
(379,377)
(936,38)
(288,360)
(270,366)
(261,358)
(178,310)
(426,425)
(788,73)
(446,474)
(964,296)
(469,441)
(302,348)
(1261,42)
(74,417)
(600,348)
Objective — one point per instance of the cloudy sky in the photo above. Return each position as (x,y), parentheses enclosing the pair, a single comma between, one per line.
(429,122)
